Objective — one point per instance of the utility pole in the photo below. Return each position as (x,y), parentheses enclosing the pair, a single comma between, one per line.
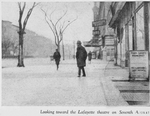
(63,50)
(74,51)
(116,50)
(127,45)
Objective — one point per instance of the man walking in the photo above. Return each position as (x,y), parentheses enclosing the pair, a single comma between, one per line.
(90,56)
(81,56)
(57,57)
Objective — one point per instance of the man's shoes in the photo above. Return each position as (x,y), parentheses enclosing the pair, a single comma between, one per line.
(82,75)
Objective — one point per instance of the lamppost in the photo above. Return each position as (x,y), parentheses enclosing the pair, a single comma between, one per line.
(74,48)
(63,50)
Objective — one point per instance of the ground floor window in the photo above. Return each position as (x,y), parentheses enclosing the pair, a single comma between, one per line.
(130,35)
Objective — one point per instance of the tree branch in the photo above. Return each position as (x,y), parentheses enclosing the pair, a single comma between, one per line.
(52,13)
(54,27)
(28,15)
(46,17)
(24,5)
(56,41)
(19,4)
(21,10)
(68,25)
(61,17)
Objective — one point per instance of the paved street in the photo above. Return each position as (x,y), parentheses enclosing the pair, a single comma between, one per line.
(40,84)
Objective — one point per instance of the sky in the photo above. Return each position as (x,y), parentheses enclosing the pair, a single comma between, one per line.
(81,29)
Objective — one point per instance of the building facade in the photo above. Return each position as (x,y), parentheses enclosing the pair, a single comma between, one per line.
(106,33)
(126,28)
(128,24)
(95,41)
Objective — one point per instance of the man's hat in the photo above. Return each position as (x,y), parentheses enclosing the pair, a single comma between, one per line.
(78,42)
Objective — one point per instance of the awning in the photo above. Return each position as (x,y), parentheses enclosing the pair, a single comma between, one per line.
(114,18)
(93,43)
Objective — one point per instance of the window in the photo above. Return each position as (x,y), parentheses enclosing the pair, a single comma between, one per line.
(130,35)
(138,3)
(140,36)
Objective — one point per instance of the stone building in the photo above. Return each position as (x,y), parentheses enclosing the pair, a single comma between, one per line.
(127,23)
(124,27)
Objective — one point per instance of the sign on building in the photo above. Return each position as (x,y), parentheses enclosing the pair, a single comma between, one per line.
(109,41)
(99,23)
(138,64)
(89,44)
(96,32)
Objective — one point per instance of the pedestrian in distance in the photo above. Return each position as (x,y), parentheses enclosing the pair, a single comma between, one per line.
(90,56)
(57,57)
(81,56)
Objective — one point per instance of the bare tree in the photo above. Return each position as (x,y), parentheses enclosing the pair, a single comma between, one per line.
(57,27)
(22,27)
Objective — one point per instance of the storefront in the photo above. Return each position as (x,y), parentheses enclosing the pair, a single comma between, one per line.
(109,47)
(122,24)
(137,29)
(132,29)
(142,26)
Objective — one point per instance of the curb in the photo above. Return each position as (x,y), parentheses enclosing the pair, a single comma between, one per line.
(112,95)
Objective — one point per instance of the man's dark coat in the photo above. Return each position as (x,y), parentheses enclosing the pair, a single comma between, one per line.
(57,57)
(81,56)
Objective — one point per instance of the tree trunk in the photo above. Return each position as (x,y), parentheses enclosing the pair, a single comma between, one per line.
(20,56)
(58,47)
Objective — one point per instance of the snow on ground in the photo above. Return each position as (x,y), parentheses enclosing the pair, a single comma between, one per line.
(39,83)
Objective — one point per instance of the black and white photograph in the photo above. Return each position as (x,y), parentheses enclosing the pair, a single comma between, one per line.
(75,58)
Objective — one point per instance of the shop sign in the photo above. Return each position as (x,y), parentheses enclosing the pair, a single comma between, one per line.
(96,32)
(138,64)
(87,44)
(109,42)
(99,23)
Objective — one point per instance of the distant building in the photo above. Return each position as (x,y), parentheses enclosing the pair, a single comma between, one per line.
(34,44)
(96,40)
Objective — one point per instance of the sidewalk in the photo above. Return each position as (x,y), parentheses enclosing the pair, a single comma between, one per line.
(43,85)
(134,92)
